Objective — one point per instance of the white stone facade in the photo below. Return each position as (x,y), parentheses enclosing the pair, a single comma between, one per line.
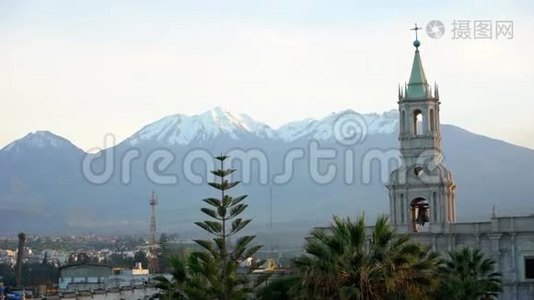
(507,240)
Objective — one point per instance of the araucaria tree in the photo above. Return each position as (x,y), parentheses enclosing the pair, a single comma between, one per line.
(215,272)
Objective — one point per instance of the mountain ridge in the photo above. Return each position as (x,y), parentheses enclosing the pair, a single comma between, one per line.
(216,121)
(47,190)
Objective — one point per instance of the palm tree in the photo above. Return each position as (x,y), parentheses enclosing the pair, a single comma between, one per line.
(346,263)
(173,288)
(467,274)
(282,288)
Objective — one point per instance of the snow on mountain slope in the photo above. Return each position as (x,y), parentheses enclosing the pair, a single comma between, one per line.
(297,129)
(323,129)
(37,140)
(260,129)
(182,129)
(384,123)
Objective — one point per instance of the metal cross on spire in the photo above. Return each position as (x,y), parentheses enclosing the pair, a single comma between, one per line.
(416,43)
(415,29)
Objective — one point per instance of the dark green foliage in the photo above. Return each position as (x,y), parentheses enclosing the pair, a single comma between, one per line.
(173,288)
(214,272)
(33,274)
(163,254)
(467,274)
(346,263)
(45,258)
(217,266)
(343,262)
(20,258)
(122,260)
(141,257)
(283,288)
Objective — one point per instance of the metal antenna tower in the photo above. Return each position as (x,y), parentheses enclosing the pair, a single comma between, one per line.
(153,264)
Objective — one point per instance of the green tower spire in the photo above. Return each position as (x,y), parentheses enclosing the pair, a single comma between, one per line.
(418,85)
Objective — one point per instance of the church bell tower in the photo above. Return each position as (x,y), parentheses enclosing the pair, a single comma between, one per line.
(421,190)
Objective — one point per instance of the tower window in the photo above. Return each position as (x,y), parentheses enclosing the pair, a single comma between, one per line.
(432,120)
(417,122)
(529,267)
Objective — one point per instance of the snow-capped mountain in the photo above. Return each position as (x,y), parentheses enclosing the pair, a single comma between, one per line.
(323,129)
(44,186)
(259,129)
(37,140)
(182,129)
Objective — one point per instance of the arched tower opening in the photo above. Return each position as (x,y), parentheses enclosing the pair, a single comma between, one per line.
(420,213)
(417,122)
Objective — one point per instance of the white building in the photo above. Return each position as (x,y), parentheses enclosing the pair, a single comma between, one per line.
(89,276)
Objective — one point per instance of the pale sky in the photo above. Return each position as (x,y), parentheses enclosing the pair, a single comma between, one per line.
(82,69)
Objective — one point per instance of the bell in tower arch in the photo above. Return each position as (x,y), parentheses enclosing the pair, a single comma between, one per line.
(423,216)
(420,211)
